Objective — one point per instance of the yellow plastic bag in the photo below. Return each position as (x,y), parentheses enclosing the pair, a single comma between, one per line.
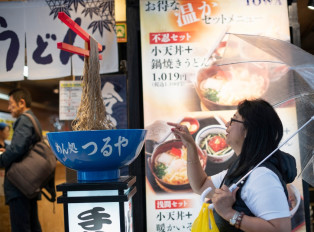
(205,222)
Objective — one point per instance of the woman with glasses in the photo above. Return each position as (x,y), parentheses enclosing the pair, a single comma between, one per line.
(260,202)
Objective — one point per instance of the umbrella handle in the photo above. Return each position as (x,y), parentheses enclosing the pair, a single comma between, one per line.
(209,189)
(203,195)
(233,187)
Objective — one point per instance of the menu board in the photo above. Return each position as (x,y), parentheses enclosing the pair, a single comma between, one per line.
(182,44)
(113,92)
(70,99)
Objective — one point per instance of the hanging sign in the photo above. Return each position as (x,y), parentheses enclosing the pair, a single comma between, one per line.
(12,43)
(38,20)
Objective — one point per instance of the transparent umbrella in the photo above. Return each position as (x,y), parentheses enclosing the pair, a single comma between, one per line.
(283,74)
(288,76)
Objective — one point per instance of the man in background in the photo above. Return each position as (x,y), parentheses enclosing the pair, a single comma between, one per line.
(23,211)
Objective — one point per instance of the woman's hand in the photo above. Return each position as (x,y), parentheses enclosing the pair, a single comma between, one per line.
(223,201)
(182,132)
(197,177)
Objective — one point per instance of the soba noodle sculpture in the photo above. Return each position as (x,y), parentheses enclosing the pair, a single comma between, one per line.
(93,149)
(91,114)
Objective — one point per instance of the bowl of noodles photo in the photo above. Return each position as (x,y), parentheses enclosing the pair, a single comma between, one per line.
(224,87)
(212,141)
(168,164)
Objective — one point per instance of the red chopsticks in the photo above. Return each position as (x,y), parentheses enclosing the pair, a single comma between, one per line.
(80,32)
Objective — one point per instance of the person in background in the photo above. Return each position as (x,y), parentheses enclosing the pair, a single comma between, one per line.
(23,211)
(260,203)
(4,135)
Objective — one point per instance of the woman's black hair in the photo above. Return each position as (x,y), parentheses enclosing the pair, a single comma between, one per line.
(264,132)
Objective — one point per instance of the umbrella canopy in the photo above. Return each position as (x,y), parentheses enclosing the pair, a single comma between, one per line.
(283,59)
(288,73)
(260,48)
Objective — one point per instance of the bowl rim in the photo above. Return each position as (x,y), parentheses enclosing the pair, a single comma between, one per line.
(89,131)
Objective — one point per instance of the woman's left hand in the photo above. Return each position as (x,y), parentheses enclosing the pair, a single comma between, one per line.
(223,201)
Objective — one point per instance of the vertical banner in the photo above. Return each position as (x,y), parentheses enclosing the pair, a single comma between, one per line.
(113,91)
(182,44)
(12,42)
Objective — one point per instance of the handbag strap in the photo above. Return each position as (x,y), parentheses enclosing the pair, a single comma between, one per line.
(34,124)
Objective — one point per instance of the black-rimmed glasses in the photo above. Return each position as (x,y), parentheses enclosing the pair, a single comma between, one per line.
(234,120)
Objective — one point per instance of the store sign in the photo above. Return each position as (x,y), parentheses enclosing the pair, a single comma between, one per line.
(38,20)
(121,32)
(98,216)
(94,217)
(182,83)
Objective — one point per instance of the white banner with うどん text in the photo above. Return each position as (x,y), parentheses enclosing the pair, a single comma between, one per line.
(44,30)
(12,42)
(44,60)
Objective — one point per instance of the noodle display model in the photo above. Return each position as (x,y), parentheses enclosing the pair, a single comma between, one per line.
(93,148)
(91,114)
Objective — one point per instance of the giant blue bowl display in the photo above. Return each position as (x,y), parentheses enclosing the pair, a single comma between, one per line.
(97,154)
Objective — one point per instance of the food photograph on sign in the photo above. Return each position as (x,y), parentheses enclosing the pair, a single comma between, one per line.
(167,158)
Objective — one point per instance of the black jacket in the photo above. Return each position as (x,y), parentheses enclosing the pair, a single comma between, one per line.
(24,137)
(284,166)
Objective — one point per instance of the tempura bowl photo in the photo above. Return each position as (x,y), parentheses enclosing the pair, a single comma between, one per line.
(223,88)
(168,164)
(97,154)
(212,141)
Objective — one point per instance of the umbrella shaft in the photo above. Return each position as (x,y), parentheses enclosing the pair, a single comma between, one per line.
(233,186)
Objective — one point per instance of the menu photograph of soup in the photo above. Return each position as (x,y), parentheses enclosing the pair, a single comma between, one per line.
(230,84)
(170,166)
(230,87)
